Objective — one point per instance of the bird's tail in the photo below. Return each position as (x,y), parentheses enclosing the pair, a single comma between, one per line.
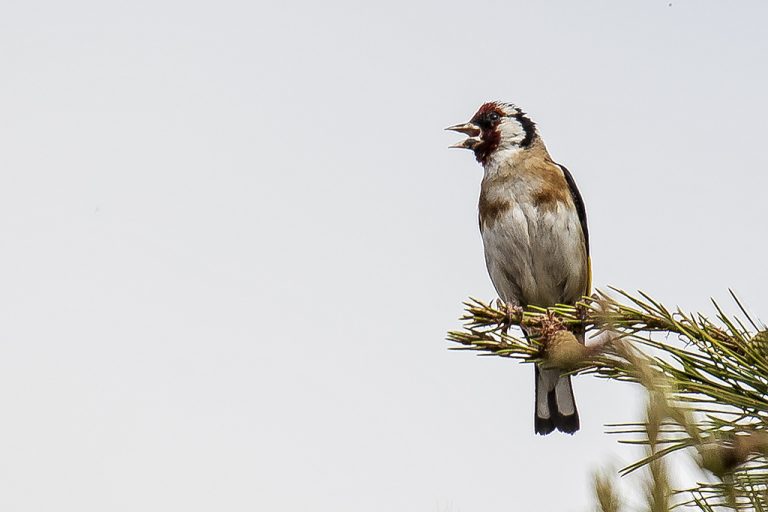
(555,404)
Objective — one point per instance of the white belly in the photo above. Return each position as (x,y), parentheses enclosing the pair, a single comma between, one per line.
(537,257)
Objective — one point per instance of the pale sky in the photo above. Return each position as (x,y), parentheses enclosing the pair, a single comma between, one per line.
(232,239)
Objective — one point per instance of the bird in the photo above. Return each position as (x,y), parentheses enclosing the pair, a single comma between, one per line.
(534,230)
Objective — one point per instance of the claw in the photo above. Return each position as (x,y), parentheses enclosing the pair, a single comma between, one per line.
(513,315)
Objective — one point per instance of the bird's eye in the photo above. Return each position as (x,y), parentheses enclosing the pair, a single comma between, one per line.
(493,117)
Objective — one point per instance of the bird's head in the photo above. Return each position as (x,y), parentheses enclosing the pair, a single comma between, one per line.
(495,127)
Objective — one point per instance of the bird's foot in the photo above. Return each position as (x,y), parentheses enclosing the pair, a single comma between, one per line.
(513,315)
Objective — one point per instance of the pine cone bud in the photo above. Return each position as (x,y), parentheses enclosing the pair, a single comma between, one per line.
(564,351)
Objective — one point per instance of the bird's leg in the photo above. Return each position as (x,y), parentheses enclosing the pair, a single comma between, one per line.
(582,314)
(513,315)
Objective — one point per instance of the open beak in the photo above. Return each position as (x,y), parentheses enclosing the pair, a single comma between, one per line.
(469,129)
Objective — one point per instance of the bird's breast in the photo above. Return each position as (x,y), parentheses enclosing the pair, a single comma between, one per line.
(534,246)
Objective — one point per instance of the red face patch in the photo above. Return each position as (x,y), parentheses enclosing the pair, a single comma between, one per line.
(487,119)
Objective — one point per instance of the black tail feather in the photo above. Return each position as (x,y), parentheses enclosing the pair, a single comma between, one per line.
(567,424)
(542,425)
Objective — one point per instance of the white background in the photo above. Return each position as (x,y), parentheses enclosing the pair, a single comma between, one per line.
(232,238)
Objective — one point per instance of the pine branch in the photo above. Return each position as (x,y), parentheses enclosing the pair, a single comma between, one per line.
(707,382)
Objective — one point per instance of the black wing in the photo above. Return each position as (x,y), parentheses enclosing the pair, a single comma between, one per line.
(579,202)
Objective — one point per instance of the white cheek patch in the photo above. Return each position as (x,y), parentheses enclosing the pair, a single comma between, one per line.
(512,133)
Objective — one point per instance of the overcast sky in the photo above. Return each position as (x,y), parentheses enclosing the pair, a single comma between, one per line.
(232,239)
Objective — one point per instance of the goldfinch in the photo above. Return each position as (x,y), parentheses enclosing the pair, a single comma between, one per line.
(534,230)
